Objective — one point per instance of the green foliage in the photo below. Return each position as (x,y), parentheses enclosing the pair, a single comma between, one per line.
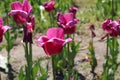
(108,8)
(74,48)
(74,76)
(10,40)
(9,45)
(92,58)
(111,65)
(39,73)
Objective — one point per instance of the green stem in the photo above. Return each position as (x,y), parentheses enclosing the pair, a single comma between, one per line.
(114,60)
(107,46)
(68,47)
(30,61)
(26,52)
(27,59)
(51,23)
(30,50)
(8,47)
(107,56)
(53,68)
(68,58)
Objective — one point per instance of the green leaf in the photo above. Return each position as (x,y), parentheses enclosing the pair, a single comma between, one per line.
(21,75)
(43,77)
(42,70)
(35,70)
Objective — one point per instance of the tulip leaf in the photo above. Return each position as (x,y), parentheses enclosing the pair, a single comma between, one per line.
(91,56)
(21,74)
(35,70)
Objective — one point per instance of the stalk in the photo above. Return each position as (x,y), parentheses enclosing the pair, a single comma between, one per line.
(107,56)
(51,21)
(68,58)
(53,68)
(27,59)
(8,47)
(30,61)
(28,56)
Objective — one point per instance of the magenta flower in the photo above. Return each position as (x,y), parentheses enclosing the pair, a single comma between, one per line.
(3,29)
(53,42)
(49,6)
(73,10)
(67,22)
(20,11)
(111,28)
(28,29)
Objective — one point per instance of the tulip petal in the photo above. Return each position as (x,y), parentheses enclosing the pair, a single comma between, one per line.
(67,40)
(73,10)
(106,23)
(114,24)
(69,30)
(33,22)
(1,34)
(68,17)
(53,46)
(42,39)
(18,12)
(61,18)
(16,5)
(72,23)
(26,6)
(5,28)
(55,32)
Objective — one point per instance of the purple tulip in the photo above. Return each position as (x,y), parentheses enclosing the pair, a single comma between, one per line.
(3,29)
(49,6)
(111,27)
(53,42)
(67,22)
(20,11)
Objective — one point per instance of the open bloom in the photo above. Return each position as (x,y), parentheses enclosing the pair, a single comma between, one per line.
(67,22)
(111,28)
(3,29)
(49,6)
(20,11)
(53,42)
(28,29)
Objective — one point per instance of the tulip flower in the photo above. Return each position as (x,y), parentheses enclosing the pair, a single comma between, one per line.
(20,11)
(3,29)
(28,29)
(67,22)
(49,6)
(53,42)
(111,27)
